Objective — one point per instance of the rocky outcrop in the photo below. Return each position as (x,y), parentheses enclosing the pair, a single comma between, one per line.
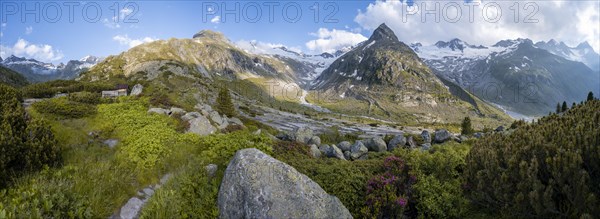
(136,90)
(201,126)
(256,185)
(426,136)
(314,151)
(344,145)
(441,136)
(376,144)
(396,142)
(358,151)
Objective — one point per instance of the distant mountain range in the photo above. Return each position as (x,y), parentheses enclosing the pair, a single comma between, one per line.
(518,75)
(37,71)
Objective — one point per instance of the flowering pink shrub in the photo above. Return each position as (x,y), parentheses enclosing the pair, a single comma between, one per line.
(388,193)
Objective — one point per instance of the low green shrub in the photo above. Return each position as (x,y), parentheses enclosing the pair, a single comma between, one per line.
(438,188)
(47,195)
(64,109)
(85,97)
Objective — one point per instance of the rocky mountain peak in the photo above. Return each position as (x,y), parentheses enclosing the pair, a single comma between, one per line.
(383,33)
(210,35)
(584,45)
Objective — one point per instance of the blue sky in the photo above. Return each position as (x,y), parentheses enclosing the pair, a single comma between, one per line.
(57,39)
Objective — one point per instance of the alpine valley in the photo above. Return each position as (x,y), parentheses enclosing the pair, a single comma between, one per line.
(203,127)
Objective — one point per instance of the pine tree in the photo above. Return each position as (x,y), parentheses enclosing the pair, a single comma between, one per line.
(564,106)
(467,129)
(224,103)
(590,96)
(558,109)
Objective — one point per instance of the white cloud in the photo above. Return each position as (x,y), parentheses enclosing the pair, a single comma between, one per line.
(216,20)
(332,40)
(125,40)
(125,11)
(28,30)
(572,23)
(40,52)
(3,24)
(1,34)
(112,23)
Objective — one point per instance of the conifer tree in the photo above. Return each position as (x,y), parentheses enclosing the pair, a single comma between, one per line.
(467,129)
(564,106)
(590,96)
(558,109)
(224,103)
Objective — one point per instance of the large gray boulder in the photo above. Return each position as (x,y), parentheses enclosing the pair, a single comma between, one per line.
(358,151)
(397,142)
(302,134)
(235,121)
(441,136)
(315,140)
(314,151)
(256,185)
(201,126)
(136,90)
(334,151)
(344,145)
(220,122)
(426,136)
(376,144)
(179,111)
(191,115)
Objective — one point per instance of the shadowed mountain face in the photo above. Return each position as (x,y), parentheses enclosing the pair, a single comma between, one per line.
(387,76)
(381,60)
(516,74)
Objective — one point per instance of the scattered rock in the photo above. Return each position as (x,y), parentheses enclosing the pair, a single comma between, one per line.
(257,132)
(324,149)
(131,209)
(211,170)
(201,126)
(148,191)
(347,155)
(136,90)
(204,109)
(159,111)
(335,152)
(499,129)
(441,136)
(221,122)
(411,143)
(396,142)
(426,136)
(191,115)
(235,121)
(358,150)
(315,140)
(302,135)
(426,146)
(463,138)
(456,139)
(478,135)
(376,144)
(256,185)
(344,145)
(314,151)
(178,111)
(111,143)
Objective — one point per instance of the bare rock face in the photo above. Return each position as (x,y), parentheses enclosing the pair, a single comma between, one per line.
(256,185)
